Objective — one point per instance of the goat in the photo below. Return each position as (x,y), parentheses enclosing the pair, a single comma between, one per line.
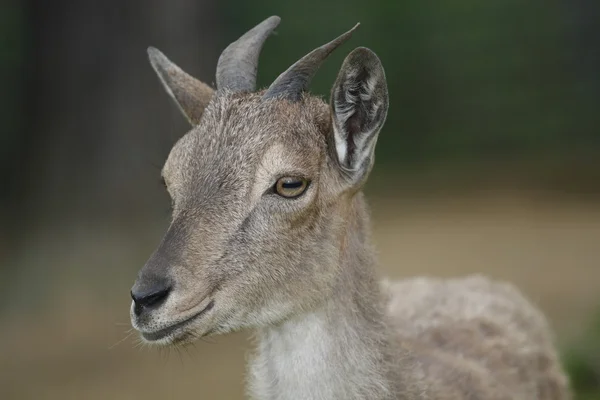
(270,232)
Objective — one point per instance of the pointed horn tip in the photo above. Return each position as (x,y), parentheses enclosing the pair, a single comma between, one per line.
(160,63)
(346,35)
(271,23)
(152,51)
(274,19)
(355,27)
(155,55)
(268,24)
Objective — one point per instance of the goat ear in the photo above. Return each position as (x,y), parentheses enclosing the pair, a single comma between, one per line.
(359,104)
(191,95)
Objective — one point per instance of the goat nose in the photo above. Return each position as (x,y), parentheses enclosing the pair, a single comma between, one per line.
(150,298)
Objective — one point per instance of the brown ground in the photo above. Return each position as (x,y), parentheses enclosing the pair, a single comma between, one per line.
(64,349)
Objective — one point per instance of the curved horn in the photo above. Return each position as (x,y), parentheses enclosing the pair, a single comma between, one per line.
(236,69)
(296,78)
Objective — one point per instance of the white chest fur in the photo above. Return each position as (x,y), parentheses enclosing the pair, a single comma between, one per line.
(314,357)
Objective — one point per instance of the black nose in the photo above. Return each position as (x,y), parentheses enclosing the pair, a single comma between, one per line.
(149,298)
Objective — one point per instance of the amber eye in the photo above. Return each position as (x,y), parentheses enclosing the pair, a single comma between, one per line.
(291,186)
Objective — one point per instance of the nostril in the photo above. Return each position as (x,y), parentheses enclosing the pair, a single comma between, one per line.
(149,299)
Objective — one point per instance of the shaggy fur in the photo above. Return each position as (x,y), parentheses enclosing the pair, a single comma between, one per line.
(301,272)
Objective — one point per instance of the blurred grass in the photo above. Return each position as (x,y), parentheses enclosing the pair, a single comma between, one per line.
(582,361)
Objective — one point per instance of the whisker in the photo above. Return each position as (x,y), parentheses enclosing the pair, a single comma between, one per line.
(208,339)
(139,344)
(178,349)
(186,349)
(128,334)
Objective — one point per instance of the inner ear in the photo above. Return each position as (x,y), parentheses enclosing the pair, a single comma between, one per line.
(359,103)
(351,106)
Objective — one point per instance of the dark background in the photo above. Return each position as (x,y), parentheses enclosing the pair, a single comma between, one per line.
(489,162)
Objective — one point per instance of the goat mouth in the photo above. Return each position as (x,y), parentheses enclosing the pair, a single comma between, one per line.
(169,330)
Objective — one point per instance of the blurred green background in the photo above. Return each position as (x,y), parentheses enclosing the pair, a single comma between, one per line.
(489,162)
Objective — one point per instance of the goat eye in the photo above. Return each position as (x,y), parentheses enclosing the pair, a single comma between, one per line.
(291,187)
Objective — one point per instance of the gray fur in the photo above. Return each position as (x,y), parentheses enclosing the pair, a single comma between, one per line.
(301,272)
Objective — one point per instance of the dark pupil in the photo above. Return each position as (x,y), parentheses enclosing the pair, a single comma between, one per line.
(292,184)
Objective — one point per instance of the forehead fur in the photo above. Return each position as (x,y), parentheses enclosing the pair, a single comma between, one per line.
(237,129)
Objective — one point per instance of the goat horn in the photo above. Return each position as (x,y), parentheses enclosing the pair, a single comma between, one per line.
(296,79)
(236,69)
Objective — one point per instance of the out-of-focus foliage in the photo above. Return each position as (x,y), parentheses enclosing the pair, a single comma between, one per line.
(583,363)
(468,79)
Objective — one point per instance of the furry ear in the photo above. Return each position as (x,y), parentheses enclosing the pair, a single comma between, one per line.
(191,95)
(359,104)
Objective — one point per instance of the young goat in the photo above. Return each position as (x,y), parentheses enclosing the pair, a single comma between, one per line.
(270,232)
